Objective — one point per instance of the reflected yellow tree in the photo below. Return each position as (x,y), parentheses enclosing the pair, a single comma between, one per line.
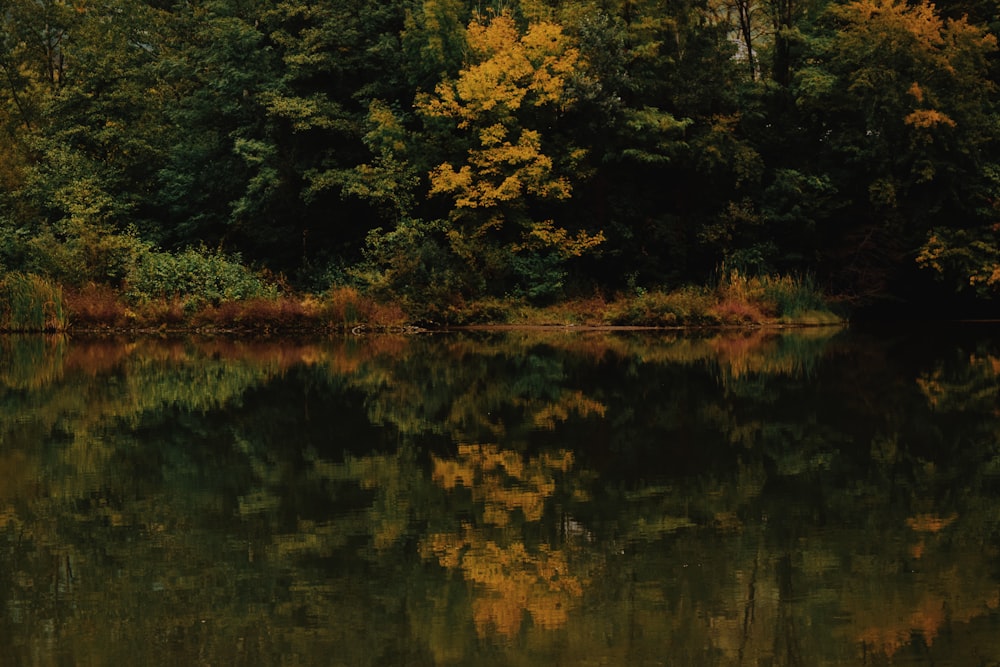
(510,579)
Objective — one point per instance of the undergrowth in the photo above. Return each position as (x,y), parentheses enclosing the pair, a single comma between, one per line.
(244,301)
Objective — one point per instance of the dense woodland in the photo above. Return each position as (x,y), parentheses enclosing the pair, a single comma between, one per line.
(432,150)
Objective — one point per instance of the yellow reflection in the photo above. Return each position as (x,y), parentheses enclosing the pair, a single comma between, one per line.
(930,523)
(502,480)
(511,581)
(569,402)
(955,594)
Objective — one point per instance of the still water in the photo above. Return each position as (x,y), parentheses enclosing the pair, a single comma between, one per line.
(820,497)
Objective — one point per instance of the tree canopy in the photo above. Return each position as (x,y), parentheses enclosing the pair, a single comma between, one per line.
(444,149)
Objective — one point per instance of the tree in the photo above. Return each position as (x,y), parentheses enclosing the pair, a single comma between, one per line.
(89,130)
(221,182)
(899,105)
(502,178)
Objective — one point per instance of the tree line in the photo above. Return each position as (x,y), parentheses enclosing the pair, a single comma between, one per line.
(433,150)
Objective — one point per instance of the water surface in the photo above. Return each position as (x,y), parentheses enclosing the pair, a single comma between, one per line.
(821,497)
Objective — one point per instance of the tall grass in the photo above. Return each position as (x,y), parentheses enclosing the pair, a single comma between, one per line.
(781,297)
(30,303)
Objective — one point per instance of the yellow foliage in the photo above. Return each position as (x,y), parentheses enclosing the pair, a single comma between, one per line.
(500,171)
(506,73)
(919,22)
(924,118)
(546,235)
(508,70)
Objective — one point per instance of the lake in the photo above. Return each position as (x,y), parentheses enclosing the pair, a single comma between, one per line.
(556,497)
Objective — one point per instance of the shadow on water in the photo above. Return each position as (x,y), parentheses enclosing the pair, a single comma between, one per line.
(814,497)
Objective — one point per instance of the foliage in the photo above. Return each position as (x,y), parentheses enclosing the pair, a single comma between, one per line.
(512,83)
(197,275)
(95,305)
(76,253)
(736,299)
(30,303)
(442,151)
(412,264)
(970,258)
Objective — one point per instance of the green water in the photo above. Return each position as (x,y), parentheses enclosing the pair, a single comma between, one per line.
(824,497)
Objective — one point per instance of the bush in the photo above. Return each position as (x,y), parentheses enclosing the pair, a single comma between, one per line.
(784,297)
(30,303)
(264,314)
(413,264)
(197,275)
(75,254)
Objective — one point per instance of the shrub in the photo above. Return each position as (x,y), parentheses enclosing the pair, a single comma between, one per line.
(197,275)
(784,297)
(730,311)
(263,314)
(30,303)
(76,254)
(414,264)
(486,310)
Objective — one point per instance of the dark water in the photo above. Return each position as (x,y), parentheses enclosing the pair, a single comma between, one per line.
(815,498)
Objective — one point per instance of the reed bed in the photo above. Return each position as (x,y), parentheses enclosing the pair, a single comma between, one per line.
(29,303)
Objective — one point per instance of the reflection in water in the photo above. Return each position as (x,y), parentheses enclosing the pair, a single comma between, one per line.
(791,498)
(510,579)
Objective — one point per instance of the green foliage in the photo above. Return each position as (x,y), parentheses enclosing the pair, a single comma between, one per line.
(30,303)
(413,264)
(900,105)
(197,275)
(562,143)
(796,299)
(541,275)
(76,253)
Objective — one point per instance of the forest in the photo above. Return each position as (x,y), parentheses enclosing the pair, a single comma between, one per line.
(435,152)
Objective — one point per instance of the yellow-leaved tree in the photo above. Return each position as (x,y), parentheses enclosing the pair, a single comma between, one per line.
(504,182)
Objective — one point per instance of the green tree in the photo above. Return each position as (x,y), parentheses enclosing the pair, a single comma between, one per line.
(659,113)
(336,60)
(900,106)
(220,182)
(89,130)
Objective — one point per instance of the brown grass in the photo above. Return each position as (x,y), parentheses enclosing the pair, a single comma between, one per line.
(734,312)
(345,307)
(283,313)
(736,302)
(94,306)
